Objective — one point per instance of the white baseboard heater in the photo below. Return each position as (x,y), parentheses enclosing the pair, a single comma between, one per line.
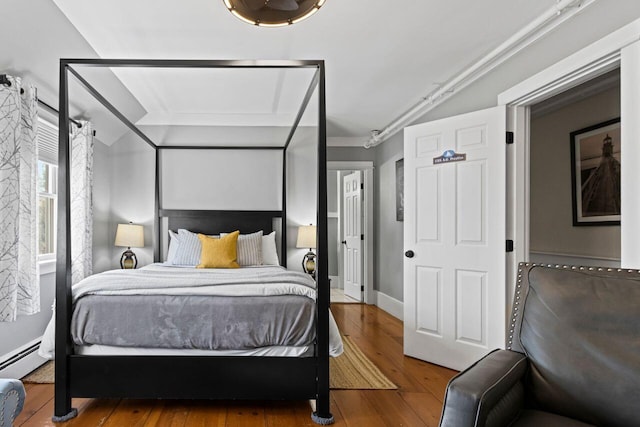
(22,361)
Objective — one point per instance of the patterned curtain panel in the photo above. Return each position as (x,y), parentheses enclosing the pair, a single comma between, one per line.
(19,278)
(81,201)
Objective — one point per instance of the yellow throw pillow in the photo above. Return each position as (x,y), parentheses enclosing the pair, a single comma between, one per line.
(219,252)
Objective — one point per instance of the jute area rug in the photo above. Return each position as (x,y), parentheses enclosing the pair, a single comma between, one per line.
(352,370)
(45,374)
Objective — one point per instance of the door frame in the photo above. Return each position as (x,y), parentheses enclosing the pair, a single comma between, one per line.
(620,49)
(366,167)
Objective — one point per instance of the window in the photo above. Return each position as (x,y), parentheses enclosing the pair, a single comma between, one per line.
(47,189)
(47,203)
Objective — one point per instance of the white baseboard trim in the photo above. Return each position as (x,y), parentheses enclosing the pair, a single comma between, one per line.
(389,304)
(24,365)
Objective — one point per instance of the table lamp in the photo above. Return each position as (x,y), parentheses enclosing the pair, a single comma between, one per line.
(129,236)
(307,239)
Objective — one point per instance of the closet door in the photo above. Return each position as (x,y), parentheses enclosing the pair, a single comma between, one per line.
(352,242)
(454,238)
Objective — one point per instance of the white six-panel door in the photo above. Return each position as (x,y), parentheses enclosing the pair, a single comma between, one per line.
(352,214)
(454,279)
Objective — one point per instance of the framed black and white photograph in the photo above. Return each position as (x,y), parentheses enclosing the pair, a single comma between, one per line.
(595,174)
(400,190)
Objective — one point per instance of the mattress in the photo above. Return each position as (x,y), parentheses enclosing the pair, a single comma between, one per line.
(273,351)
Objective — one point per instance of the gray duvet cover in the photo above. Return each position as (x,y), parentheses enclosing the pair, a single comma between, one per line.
(194,322)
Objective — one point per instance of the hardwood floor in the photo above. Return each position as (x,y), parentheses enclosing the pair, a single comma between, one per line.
(338,296)
(416,403)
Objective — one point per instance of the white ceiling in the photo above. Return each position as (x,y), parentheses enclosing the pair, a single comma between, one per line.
(218,97)
(381,57)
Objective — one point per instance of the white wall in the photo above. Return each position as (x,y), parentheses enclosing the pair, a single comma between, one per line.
(552,230)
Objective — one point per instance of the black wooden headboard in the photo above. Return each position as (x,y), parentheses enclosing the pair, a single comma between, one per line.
(218,221)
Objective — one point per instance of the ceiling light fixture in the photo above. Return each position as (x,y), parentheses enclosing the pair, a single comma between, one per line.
(273,13)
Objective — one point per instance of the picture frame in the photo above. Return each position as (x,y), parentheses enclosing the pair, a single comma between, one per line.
(595,174)
(400,190)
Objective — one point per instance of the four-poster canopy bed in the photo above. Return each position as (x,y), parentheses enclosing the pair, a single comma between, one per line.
(193,377)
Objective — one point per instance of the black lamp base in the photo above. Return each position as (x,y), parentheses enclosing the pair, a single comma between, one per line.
(128,260)
(309,263)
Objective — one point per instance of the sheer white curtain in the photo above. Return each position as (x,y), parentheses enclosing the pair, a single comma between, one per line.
(19,279)
(81,143)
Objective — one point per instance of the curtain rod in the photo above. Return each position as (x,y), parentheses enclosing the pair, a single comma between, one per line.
(49,107)
(4,80)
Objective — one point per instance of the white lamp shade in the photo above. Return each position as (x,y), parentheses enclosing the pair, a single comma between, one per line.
(130,235)
(306,236)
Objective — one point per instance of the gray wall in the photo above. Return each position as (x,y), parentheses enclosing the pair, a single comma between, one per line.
(552,229)
(102,236)
(562,42)
(45,36)
(132,186)
(204,178)
(354,154)
(332,223)
(388,258)
(27,328)
(35,34)
(35,57)
(222,179)
(302,184)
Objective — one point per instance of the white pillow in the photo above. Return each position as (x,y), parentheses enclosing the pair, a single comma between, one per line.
(189,249)
(174,242)
(249,249)
(269,251)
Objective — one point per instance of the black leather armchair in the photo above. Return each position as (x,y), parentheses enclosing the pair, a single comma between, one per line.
(572,360)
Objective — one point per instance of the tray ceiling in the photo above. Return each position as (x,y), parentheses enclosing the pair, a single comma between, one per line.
(379,59)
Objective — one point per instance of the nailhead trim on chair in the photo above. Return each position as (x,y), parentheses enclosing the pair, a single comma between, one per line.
(558,266)
(4,401)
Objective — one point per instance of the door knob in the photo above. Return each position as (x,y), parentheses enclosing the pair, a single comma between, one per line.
(344,242)
(409,254)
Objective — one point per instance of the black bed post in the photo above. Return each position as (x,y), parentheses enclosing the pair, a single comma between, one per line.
(62,404)
(283,221)
(323,412)
(157,223)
